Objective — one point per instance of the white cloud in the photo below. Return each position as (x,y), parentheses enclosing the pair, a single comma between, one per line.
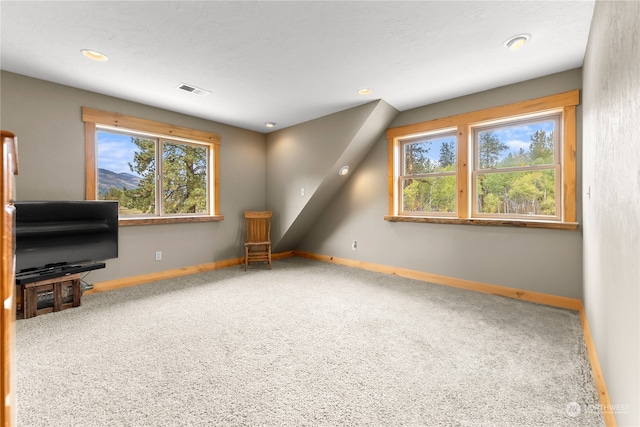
(515,145)
(115,152)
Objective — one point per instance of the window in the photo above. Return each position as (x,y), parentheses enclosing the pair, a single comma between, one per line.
(159,173)
(428,177)
(508,165)
(517,169)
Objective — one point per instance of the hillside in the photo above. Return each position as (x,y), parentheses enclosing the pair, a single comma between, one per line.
(108,179)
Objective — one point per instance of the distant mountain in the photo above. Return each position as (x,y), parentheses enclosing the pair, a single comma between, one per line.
(108,179)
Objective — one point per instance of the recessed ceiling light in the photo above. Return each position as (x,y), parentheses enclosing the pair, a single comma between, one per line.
(95,55)
(343,170)
(364,91)
(516,42)
(270,124)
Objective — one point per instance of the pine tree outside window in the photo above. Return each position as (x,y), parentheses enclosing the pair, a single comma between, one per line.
(158,173)
(512,165)
(429,174)
(152,176)
(517,168)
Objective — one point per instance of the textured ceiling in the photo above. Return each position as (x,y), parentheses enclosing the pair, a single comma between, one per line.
(289,62)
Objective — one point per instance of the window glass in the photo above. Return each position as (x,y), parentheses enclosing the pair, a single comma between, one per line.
(516,145)
(430,154)
(517,193)
(429,181)
(529,151)
(508,165)
(128,172)
(159,173)
(184,178)
(437,194)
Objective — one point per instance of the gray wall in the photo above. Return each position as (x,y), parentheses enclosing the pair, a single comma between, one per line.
(611,174)
(302,157)
(46,118)
(541,260)
(309,155)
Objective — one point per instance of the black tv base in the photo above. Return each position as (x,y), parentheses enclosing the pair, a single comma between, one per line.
(56,271)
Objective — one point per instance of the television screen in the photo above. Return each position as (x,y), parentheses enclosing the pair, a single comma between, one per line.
(56,233)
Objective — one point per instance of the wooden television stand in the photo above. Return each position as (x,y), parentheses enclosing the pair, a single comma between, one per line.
(66,292)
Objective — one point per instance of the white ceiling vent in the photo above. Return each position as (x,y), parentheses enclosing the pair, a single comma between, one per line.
(193,89)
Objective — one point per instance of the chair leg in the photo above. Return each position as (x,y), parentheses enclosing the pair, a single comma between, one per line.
(246,258)
(269,258)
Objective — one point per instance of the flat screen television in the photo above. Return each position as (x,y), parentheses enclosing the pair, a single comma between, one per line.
(59,235)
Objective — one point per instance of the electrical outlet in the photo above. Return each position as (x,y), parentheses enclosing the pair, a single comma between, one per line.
(354,245)
(302,191)
(158,255)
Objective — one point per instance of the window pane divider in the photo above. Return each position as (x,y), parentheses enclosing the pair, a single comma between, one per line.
(428,175)
(462,181)
(565,179)
(517,169)
(94,119)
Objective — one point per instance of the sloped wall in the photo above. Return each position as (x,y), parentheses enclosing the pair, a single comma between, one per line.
(541,260)
(303,163)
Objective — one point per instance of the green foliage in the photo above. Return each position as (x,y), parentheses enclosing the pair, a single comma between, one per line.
(113,193)
(142,199)
(491,203)
(429,194)
(184,179)
(515,160)
(541,148)
(416,160)
(523,192)
(505,192)
(184,172)
(437,194)
(490,148)
(447,154)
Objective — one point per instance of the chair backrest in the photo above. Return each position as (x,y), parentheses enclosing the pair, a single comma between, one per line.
(257,226)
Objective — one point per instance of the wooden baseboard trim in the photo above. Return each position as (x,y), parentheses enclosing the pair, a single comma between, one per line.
(605,402)
(110,285)
(552,300)
(536,297)
(540,298)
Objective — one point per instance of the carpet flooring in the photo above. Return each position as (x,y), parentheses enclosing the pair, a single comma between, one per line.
(305,344)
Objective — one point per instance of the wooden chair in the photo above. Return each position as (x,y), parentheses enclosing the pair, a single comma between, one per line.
(257,246)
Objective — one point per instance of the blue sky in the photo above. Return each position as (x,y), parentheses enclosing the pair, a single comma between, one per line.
(515,137)
(436,145)
(520,136)
(115,152)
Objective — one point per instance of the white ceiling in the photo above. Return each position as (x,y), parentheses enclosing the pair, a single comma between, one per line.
(289,62)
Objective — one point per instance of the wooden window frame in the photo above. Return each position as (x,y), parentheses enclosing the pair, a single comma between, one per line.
(95,118)
(565,103)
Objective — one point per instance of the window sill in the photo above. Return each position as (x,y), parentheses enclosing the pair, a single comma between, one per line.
(169,220)
(492,222)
